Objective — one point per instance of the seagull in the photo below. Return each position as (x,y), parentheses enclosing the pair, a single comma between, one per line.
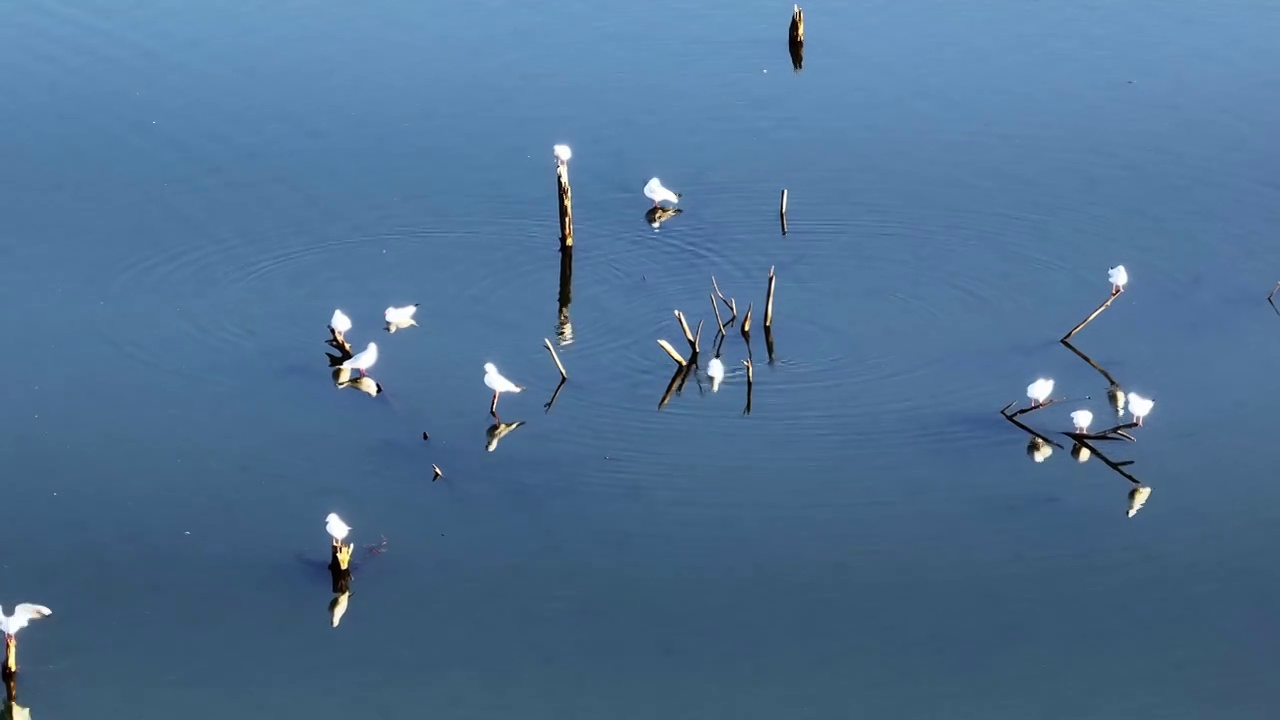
(562,153)
(498,384)
(1118,277)
(22,614)
(1039,391)
(362,360)
(339,323)
(337,529)
(715,371)
(656,192)
(1140,406)
(1082,418)
(400,317)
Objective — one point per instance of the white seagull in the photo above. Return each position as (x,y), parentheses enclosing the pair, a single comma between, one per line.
(498,384)
(1118,277)
(562,153)
(339,323)
(715,371)
(1039,391)
(656,192)
(400,317)
(1082,418)
(1140,406)
(337,529)
(362,360)
(22,614)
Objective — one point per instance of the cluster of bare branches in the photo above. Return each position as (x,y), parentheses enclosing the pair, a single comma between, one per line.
(1085,444)
(686,367)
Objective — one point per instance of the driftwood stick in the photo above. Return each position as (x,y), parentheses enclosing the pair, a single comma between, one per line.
(688,334)
(1028,429)
(716,309)
(1274,290)
(746,324)
(715,286)
(1032,408)
(768,300)
(559,366)
(782,211)
(671,352)
(697,339)
(1093,315)
(677,380)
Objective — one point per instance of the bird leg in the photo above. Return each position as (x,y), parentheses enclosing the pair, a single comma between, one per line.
(493,406)
(362,372)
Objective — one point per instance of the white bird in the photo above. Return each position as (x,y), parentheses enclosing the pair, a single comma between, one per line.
(401,315)
(562,153)
(656,192)
(340,323)
(362,360)
(22,614)
(1039,391)
(498,384)
(1140,406)
(1118,277)
(1082,418)
(337,529)
(715,371)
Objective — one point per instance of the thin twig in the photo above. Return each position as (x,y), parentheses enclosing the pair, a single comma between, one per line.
(1093,314)
(559,366)
(746,324)
(546,408)
(716,309)
(688,335)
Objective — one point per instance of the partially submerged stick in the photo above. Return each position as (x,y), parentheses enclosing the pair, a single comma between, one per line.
(746,324)
(559,366)
(671,352)
(676,383)
(768,300)
(1025,428)
(716,309)
(750,385)
(1093,314)
(782,211)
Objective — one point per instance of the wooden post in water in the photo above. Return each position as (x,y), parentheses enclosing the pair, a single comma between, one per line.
(565,193)
(795,38)
(768,314)
(340,567)
(10,656)
(750,384)
(782,211)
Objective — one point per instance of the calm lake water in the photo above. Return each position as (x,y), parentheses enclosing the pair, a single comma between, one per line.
(188,190)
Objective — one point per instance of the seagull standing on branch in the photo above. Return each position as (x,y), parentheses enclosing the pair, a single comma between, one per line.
(1082,418)
(1039,391)
(1119,277)
(495,381)
(22,614)
(339,323)
(657,193)
(337,529)
(1140,406)
(362,360)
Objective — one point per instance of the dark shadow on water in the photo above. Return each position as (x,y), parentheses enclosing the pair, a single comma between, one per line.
(494,433)
(655,216)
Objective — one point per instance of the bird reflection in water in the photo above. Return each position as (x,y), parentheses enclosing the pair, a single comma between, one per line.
(1039,450)
(338,608)
(497,431)
(655,216)
(364,383)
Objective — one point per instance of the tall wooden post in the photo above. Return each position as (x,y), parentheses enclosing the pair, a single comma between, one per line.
(566,205)
(795,38)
